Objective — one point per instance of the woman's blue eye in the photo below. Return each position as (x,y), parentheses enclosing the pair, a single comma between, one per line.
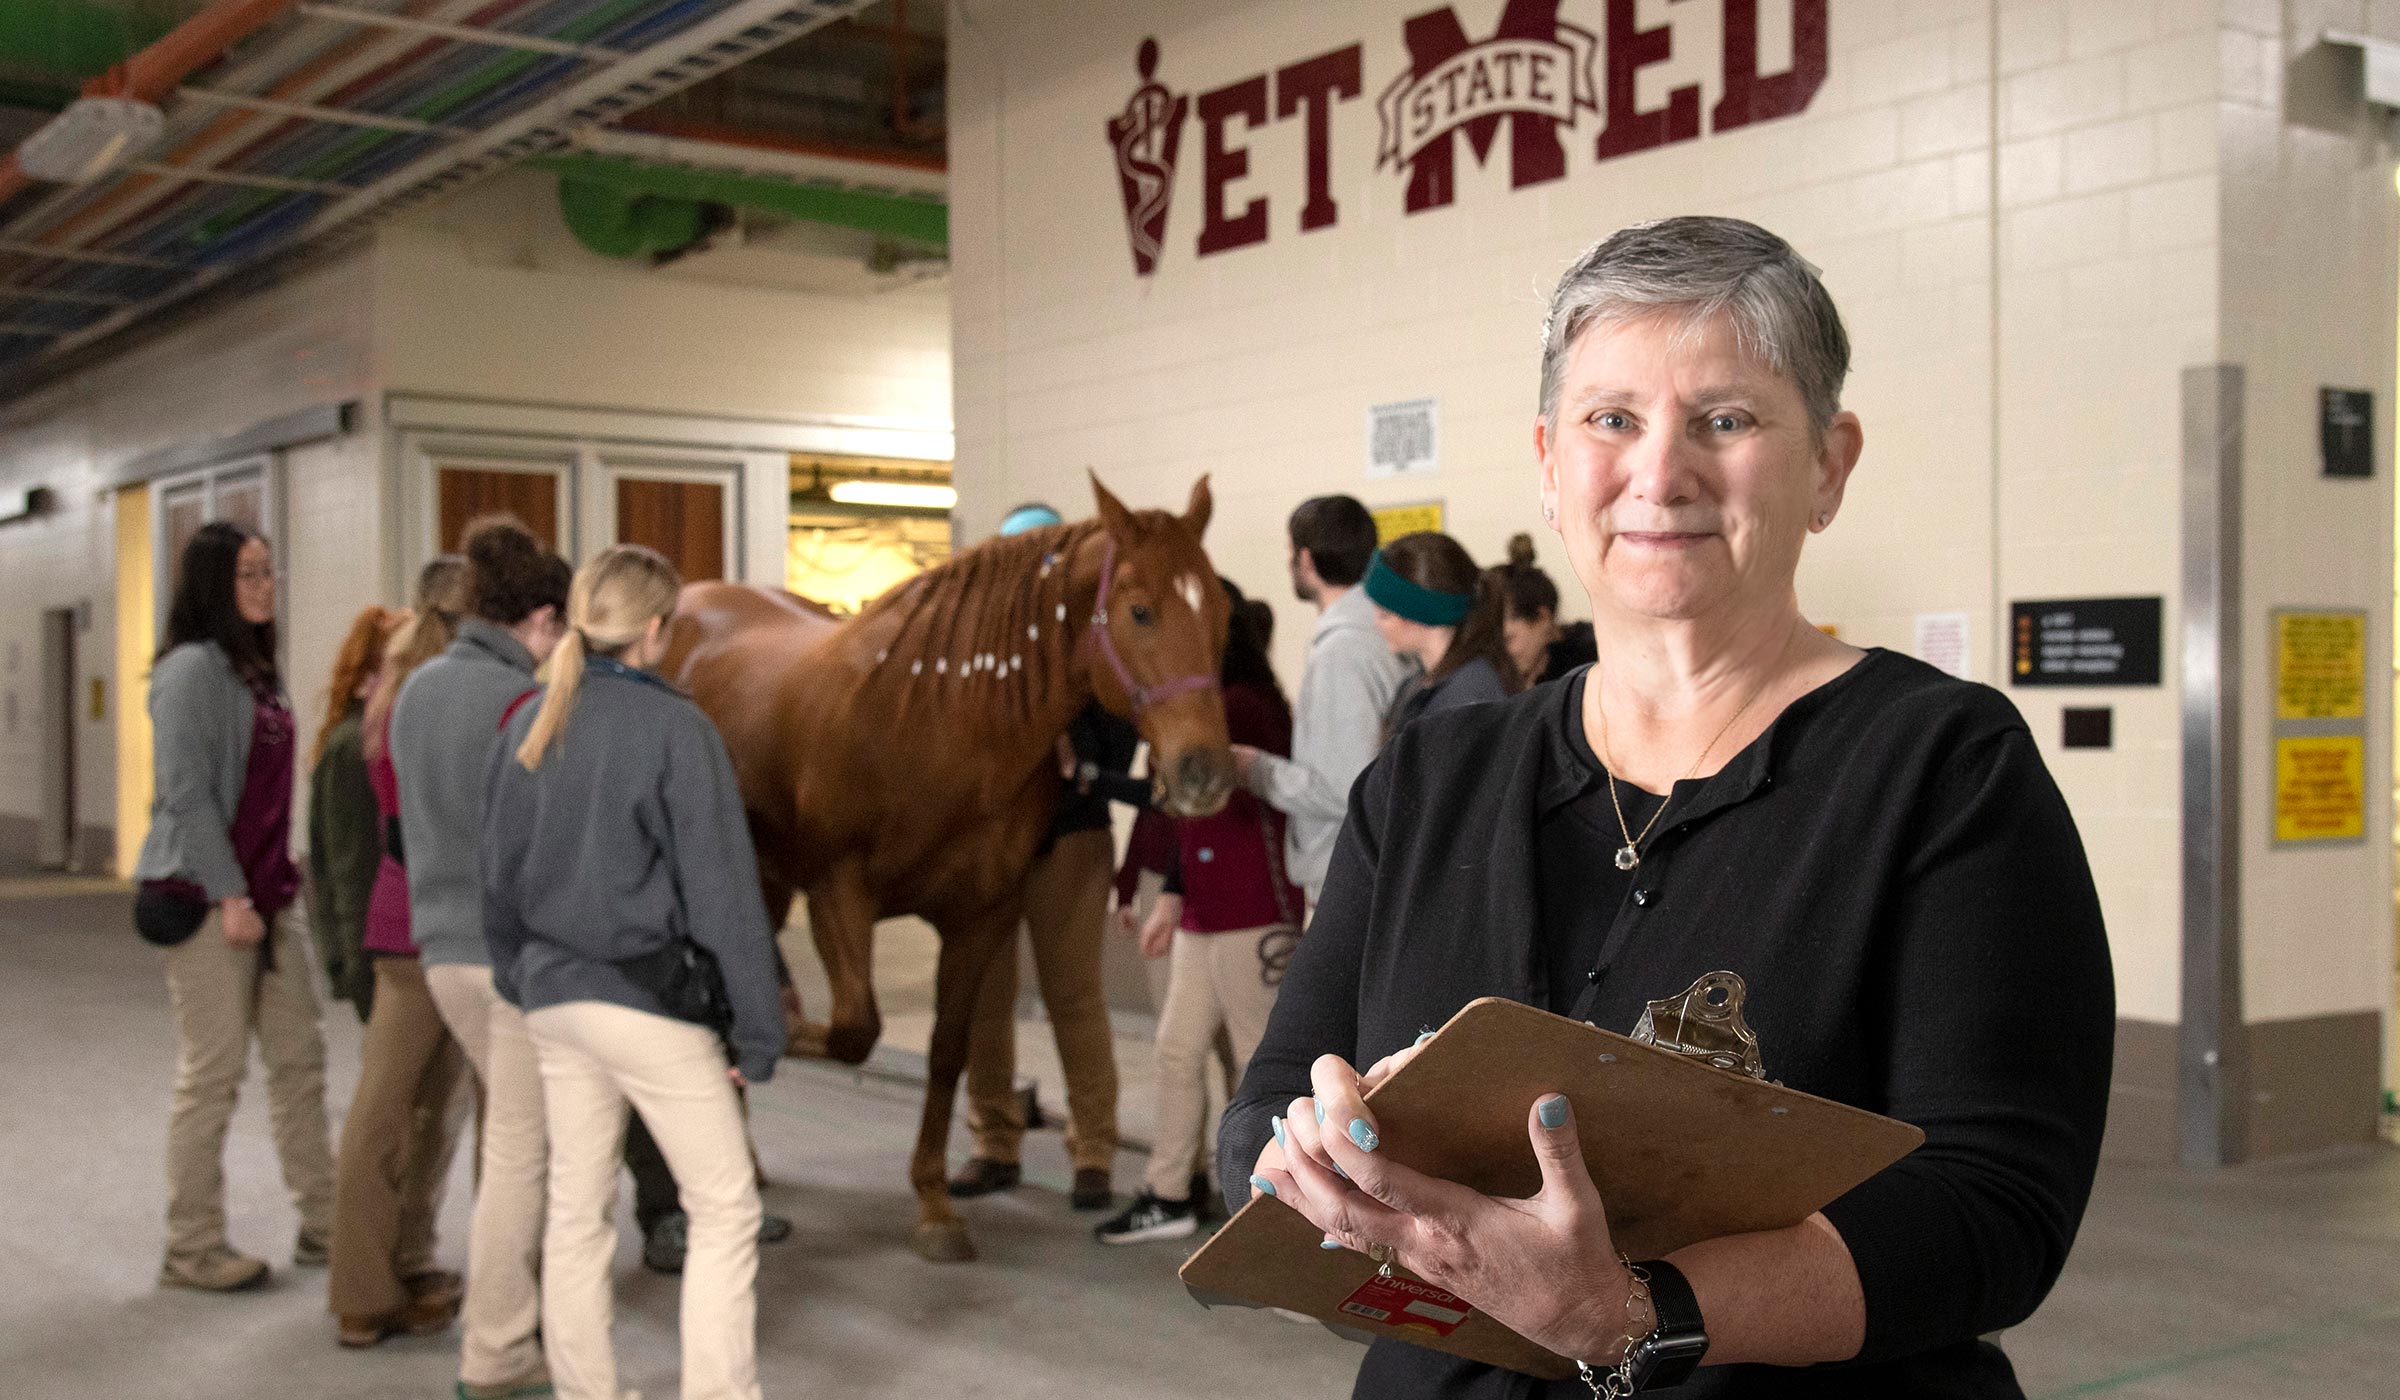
(1725,423)
(1612,421)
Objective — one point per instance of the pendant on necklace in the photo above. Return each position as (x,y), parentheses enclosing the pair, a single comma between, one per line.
(1628,858)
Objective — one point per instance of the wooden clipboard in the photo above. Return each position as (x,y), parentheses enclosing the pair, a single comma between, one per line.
(1682,1151)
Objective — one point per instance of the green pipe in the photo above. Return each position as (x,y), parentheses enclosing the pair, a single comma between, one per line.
(618,223)
(80,41)
(889,216)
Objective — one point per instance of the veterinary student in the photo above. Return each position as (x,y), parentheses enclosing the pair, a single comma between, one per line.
(620,899)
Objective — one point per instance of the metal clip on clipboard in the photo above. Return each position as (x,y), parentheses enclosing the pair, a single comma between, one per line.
(1704,1022)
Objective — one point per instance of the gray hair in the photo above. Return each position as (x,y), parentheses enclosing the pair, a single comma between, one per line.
(1704,267)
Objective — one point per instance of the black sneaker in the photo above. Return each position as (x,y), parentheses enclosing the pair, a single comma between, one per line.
(1150,1218)
(666,1242)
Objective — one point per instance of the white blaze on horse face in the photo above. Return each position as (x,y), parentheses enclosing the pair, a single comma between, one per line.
(1189,587)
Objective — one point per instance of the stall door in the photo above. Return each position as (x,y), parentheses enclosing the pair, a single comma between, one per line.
(683,520)
(467,491)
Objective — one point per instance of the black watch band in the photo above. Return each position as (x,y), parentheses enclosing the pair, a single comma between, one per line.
(1672,1351)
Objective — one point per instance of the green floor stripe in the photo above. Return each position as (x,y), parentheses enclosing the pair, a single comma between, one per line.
(2335,1325)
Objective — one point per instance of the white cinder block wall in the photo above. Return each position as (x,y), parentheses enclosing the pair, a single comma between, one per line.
(2019,206)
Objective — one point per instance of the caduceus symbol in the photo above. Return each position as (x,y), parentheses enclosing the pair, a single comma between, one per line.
(1145,137)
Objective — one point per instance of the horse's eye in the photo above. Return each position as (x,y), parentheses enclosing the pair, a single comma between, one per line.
(1141,615)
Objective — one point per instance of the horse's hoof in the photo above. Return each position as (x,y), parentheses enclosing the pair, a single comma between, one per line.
(943,1242)
(851,1044)
(805,1040)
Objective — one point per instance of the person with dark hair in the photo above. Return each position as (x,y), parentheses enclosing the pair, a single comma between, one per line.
(1349,684)
(1433,606)
(444,727)
(411,1102)
(1543,649)
(216,891)
(1228,922)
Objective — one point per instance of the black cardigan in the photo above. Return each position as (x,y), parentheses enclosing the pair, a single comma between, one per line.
(1895,874)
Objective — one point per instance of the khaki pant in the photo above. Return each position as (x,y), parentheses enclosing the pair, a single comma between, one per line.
(1066,917)
(222,996)
(595,1058)
(502,1317)
(396,1143)
(1214,980)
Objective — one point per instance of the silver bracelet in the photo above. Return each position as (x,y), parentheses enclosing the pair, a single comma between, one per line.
(1616,1382)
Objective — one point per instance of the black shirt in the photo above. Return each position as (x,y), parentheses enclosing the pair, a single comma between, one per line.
(1582,890)
(1894,873)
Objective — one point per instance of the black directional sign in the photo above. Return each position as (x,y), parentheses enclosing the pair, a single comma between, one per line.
(2085,641)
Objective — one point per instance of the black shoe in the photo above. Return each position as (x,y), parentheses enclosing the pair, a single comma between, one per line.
(981,1176)
(665,1243)
(1091,1189)
(1150,1218)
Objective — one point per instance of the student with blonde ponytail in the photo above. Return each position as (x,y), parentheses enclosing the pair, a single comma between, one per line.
(620,901)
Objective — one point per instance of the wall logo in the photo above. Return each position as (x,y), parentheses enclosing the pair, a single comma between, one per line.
(1145,137)
(1545,81)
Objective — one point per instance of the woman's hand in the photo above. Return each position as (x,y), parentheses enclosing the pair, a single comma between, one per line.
(1545,1267)
(1158,931)
(1066,758)
(735,1074)
(1245,762)
(243,927)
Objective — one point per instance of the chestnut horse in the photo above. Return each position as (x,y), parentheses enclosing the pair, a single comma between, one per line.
(903,762)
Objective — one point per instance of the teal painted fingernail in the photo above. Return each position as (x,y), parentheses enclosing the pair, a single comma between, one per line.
(1260,1183)
(1423,1036)
(1320,1115)
(1329,1244)
(1282,1139)
(1552,1111)
(1363,1135)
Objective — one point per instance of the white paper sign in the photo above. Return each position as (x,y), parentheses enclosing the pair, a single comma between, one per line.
(1403,438)
(1942,643)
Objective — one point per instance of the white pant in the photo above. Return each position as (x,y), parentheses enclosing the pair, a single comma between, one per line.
(502,1316)
(1216,981)
(595,1058)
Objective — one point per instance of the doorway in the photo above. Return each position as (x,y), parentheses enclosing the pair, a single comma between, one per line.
(54,848)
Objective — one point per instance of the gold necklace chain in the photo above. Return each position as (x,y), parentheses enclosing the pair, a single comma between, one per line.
(1630,855)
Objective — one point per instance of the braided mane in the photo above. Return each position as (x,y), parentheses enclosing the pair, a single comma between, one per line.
(995,620)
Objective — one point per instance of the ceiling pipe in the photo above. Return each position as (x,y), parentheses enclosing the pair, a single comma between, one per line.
(150,74)
(918,221)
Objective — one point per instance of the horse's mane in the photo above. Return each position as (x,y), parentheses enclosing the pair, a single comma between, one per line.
(998,610)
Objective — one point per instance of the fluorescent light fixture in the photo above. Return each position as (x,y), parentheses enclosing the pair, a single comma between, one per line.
(904,494)
(92,137)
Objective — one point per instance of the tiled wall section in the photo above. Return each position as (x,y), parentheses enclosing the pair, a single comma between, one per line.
(304,343)
(2309,235)
(2014,206)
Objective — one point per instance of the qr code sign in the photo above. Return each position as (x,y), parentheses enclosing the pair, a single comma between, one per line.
(1403,438)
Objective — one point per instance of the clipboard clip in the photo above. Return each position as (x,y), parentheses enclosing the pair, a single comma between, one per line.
(1704,1022)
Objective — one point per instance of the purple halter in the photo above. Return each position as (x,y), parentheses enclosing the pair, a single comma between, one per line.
(1142,697)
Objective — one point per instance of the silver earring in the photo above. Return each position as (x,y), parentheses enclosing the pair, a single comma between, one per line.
(1550,515)
(1824,519)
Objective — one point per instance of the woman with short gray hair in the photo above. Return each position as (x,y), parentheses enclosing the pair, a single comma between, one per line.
(1874,846)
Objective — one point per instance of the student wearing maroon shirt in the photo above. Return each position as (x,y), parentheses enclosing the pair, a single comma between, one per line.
(217,891)
(1228,922)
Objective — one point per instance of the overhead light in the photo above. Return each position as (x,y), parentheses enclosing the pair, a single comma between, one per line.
(904,494)
(92,137)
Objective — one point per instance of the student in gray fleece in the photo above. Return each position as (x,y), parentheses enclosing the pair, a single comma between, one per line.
(445,725)
(612,833)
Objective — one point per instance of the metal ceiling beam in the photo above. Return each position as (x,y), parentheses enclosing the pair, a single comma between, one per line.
(463,33)
(38,250)
(210,176)
(8,292)
(309,111)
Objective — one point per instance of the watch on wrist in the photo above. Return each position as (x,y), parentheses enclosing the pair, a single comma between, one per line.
(1672,1351)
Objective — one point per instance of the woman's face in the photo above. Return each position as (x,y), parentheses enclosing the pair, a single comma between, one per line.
(1684,474)
(1529,640)
(1404,637)
(254,583)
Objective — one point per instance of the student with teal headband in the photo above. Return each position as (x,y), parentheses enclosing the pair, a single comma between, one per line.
(1432,604)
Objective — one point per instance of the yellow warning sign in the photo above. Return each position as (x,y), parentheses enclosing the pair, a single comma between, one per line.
(2320,665)
(2321,788)
(1391,522)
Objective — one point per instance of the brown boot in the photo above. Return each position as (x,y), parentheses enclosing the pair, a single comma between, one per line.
(435,1288)
(222,1269)
(1091,1191)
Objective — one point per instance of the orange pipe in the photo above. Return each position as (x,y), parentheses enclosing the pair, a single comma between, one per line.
(156,71)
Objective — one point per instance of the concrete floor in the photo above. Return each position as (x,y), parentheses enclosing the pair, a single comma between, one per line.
(2281,1280)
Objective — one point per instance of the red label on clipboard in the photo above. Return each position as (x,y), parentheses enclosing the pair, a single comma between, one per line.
(1402,1303)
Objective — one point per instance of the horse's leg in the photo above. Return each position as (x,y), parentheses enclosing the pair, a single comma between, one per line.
(841,913)
(968,947)
(802,1038)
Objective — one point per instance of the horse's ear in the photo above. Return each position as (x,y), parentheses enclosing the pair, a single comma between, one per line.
(1113,515)
(1196,513)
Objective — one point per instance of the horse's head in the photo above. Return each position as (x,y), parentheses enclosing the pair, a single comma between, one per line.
(1159,635)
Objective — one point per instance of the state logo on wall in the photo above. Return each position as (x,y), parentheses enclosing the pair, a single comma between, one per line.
(1552,86)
